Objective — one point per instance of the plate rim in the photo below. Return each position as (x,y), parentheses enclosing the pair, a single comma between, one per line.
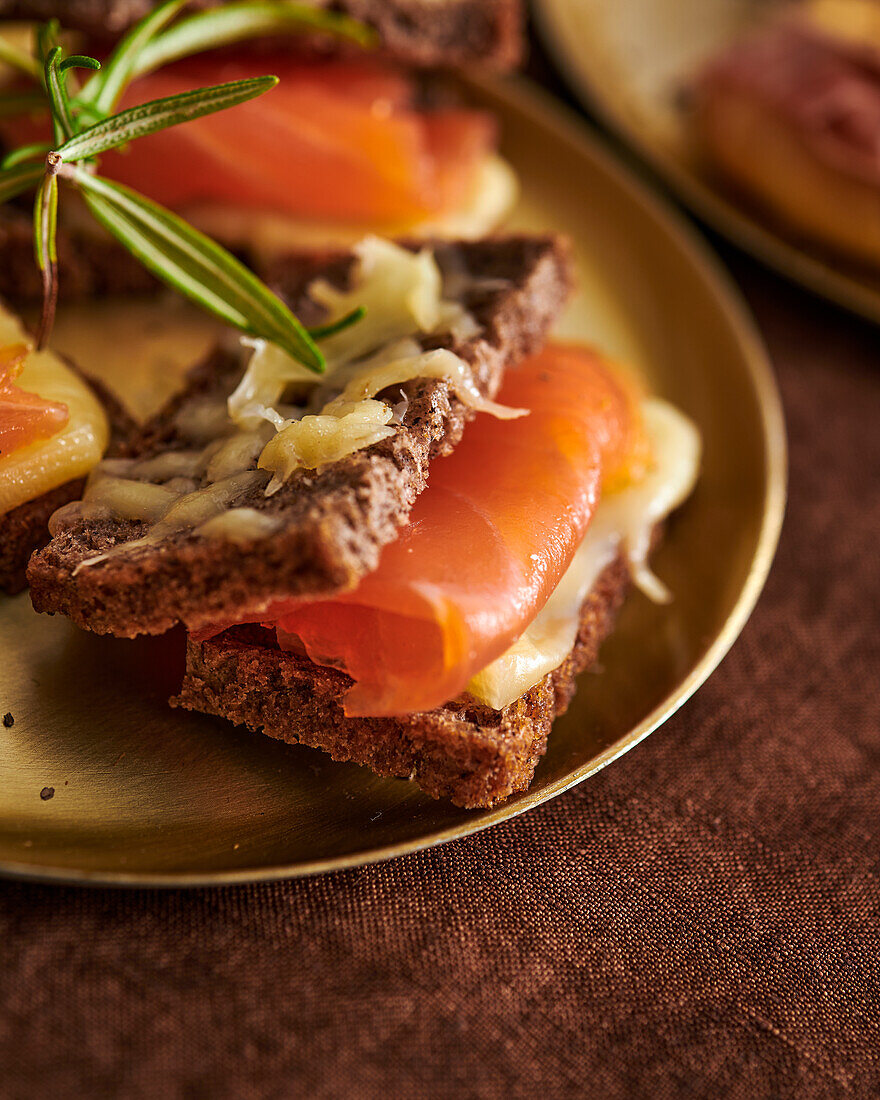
(742,231)
(526,97)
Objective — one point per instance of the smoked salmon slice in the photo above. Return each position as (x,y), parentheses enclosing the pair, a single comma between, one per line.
(340,140)
(487,543)
(24,417)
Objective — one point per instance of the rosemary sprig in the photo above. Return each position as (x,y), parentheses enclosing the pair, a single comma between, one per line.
(323,331)
(54,75)
(159,114)
(104,91)
(45,223)
(194,264)
(85,125)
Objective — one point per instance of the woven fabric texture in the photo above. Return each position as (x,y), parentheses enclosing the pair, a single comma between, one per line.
(702,919)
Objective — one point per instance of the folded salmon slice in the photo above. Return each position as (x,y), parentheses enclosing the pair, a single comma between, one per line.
(24,417)
(487,543)
(339,140)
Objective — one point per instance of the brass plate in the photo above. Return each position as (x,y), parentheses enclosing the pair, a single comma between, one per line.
(146,795)
(628,60)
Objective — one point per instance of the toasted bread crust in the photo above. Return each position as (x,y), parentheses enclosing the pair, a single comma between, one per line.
(334,520)
(465,751)
(445,33)
(25,529)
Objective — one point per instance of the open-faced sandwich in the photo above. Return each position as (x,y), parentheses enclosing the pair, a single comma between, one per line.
(362,133)
(790,115)
(55,426)
(395,520)
(346,586)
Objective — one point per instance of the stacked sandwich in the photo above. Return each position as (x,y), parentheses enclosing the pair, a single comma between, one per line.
(404,560)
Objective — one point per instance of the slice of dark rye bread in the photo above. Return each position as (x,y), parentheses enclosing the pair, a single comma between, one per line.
(464,751)
(334,521)
(25,529)
(90,263)
(443,33)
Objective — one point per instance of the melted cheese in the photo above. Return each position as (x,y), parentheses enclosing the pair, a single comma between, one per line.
(402,294)
(194,509)
(166,509)
(440,363)
(269,235)
(172,506)
(354,420)
(126,498)
(340,413)
(624,521)
(314,441)
(29,472)
(240,525)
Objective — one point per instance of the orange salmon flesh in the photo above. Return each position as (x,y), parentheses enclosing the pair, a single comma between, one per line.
(24,417)
(487,543)
(334,140)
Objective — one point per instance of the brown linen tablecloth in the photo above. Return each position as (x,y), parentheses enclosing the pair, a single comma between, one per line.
(698,920)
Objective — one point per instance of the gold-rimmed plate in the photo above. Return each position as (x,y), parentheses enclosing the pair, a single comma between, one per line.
(630,62)
(146,795)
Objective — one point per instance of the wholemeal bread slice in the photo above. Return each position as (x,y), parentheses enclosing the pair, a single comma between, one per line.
(447,33)
(25,529)
(90,262)
(464,751)
(334,521)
